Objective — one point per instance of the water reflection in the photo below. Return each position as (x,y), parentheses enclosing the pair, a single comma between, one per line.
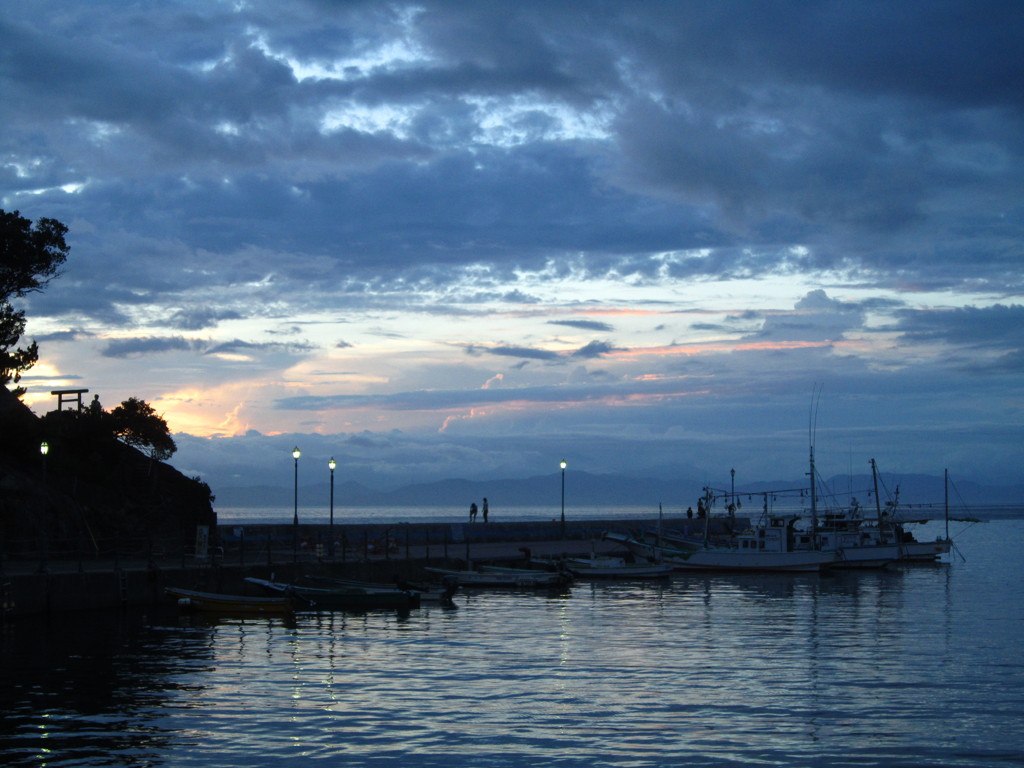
(830,670)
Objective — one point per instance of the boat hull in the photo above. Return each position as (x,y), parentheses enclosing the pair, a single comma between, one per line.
(212,602)
(341,598)
(503,578)
(797,561)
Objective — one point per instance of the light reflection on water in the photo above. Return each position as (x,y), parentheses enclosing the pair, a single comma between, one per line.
(914,666)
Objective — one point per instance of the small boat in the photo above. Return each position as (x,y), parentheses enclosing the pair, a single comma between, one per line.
(605,567)
(428,593)
(213,602)
(503,577)
(341,597)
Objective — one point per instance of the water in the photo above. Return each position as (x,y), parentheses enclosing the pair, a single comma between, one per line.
(917,666)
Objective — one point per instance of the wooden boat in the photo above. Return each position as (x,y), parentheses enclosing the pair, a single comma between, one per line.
(213,602)
(605,567)
(428,593)
(355,598)
(503,577)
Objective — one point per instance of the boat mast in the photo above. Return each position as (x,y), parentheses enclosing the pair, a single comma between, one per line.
(814,497)
(812,428)
(946,479)
(878,501)
(707,515)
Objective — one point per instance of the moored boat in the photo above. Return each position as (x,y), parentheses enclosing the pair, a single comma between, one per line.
(766,548)
(428,593)
(503,577)
(354,598)
(214,602)
(605,567)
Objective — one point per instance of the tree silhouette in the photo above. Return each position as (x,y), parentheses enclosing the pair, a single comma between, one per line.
(30,256)
(137,424)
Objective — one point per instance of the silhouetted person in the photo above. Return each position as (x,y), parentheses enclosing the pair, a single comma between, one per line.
(472,512)
(485,509)
(689,512)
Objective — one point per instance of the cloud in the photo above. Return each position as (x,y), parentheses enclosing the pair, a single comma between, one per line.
(149,345)
(586,325)
(753,200)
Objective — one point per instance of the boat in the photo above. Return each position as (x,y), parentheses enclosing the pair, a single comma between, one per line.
(503,577)
(855,541)
(214,602)
(355,598)
(428,593)
(911,549)
(772,546)
(607,567)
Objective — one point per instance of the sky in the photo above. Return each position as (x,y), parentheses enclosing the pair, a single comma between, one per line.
(465,239)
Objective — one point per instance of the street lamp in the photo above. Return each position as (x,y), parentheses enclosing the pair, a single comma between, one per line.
(330,529)
(562,465)
(44,448)
(295,519)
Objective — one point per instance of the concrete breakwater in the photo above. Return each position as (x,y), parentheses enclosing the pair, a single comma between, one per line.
(220,560)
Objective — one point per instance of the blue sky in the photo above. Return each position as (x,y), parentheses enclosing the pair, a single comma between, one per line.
(464,239)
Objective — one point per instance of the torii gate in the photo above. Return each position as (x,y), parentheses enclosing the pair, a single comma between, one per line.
(71,395)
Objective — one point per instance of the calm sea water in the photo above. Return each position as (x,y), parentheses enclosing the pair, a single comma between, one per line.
(916,666)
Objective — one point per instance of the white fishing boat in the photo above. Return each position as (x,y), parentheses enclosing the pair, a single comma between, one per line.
(773,546)
(854,541)
(911,549)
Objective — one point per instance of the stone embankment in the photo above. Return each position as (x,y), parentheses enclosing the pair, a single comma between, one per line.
(42,583)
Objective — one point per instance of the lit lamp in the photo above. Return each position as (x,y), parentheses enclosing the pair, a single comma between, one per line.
(562,465)
(330,528)
(295,519)
(44,448)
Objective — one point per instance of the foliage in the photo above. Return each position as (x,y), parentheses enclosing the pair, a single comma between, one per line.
(30,256)
(136,423)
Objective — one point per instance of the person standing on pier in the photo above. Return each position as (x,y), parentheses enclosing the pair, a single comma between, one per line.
(485,509)
(472,512)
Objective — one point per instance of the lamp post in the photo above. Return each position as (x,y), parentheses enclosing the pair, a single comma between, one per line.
(330,528)
(562,465)
(295,519)
(44,449)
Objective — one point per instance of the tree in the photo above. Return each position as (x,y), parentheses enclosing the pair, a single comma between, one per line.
(30,256)
(140,426)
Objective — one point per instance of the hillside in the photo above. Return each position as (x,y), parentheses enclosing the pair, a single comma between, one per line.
(90,493)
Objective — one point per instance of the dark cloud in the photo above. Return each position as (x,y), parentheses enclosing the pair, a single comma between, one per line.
(513,351)
(594,349)
(238,346)
(998,326)
(586,325)
(196,319)
(149,345)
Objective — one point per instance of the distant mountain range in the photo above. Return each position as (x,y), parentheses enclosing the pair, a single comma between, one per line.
(584,489)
